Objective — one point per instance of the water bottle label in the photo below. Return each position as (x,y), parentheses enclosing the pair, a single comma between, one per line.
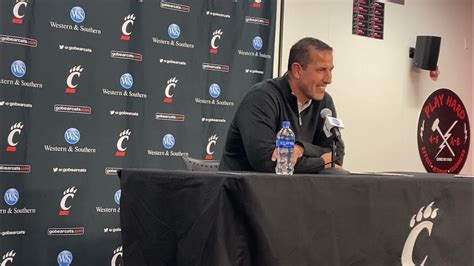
(285,143)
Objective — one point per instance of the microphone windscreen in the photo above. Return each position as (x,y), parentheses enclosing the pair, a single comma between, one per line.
(325,112)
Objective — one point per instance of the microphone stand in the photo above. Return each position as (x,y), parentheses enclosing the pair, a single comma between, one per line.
(333,151)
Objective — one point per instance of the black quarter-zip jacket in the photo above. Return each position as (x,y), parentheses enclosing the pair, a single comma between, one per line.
(251,137)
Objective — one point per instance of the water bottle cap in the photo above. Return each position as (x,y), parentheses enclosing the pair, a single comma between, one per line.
(285,124)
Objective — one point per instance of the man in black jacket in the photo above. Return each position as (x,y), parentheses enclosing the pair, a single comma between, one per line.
(298,97)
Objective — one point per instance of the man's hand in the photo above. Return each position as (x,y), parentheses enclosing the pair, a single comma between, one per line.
(297,153)
(327,161)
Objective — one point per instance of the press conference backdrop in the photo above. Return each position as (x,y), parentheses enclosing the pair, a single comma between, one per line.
(89,87)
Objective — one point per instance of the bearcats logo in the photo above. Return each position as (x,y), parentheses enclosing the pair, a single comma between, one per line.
(117,258)
(171,84)
(216,35)
(14,130)
(19,11)
(73,72)
(123,136)
(68,193)
(126,33)
(8,257)
(422,221)
(212,142)
(443,133)
(257,3)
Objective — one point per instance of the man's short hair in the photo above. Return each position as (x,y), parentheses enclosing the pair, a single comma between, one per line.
(299,52)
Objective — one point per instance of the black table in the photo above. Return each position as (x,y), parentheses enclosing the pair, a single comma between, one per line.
(199,218)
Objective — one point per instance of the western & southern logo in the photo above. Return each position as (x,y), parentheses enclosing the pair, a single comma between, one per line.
(65,258)
(126,82)
(19,69)
(257,44)
(174,32)
(214,93)
(117,196)
(78,15)
(72,136)
(11,198)
(168,143)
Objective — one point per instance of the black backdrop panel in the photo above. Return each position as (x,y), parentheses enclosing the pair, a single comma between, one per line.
(89,87)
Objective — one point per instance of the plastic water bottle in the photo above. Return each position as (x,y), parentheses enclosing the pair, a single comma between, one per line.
(285,143)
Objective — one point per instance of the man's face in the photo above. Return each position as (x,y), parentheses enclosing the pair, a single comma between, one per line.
(316,75)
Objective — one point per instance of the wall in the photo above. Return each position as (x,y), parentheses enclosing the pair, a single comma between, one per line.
(377,92)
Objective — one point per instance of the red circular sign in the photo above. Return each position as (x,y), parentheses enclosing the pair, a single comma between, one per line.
(443,133)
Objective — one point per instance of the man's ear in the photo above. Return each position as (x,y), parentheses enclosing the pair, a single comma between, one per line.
(296,69)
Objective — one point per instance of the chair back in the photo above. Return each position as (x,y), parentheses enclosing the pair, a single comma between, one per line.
(193,164)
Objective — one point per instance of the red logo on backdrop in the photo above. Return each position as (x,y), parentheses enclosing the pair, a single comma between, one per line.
(257,3)
(123,136)
(15,129)
(210,145)
(19,11)
(171,84)
(68,193)
(126,32)
(73,72)
(443,133)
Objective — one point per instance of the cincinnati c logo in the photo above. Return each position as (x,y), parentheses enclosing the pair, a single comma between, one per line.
(68,193)
(126,32)
(118,253)
(212,142)
(123,136)
(8,257)
(171,84)
(15,129)
(216,35)
(422,222)
(73,72)
(18,13)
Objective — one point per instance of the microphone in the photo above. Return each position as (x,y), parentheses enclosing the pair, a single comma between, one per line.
(331,124)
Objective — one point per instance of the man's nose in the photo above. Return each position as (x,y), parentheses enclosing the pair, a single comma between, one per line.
(328,77)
